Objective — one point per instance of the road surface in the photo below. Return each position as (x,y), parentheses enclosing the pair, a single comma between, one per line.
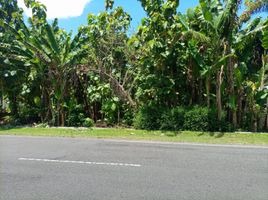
(40,168)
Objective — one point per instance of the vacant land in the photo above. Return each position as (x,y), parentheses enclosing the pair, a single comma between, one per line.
(131,134)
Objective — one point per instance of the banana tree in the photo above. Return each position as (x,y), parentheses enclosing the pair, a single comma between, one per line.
(247,47)
(219,23)
(208,32)
(49,51)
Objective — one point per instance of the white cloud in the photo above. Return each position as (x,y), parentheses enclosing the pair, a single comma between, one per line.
(60,8)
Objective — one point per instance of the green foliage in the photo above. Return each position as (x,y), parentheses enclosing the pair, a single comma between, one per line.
(28,115)
(148,117)
(209,57)
(110,109)
(219,125)
(265,40)
(128,117)
(204,119)
(10,120)
(181,118)
(173,119)
(76,116)
(197,119)
(109,4)
(88,122)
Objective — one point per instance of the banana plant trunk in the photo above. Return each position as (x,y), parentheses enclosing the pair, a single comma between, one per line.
(254,117)
(1,101)
(239,106)
(208,90)
(230,87)
(60,115)
(267,114)
(14,105)
(218,92)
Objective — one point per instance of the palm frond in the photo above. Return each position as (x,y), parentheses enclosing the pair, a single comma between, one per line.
(265,39)
(223,61)
(209,25)
(52,39)
(253,7)
(198,36)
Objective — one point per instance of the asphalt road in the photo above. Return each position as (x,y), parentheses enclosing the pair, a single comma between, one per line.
(39,168)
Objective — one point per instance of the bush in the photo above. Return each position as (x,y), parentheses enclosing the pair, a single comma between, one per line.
(173,119)
(225,126)
(216,125)
(197,119)
(128,115)
(181,118)
(88,122)
(148,117)
(76,116)
(27,115)
(204,119)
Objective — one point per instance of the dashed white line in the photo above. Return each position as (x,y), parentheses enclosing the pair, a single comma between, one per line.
(80,162)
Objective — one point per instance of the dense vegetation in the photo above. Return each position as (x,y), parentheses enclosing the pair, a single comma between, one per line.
(205,70)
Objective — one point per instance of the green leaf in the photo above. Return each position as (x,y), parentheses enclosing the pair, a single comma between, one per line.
(37,101)
(113,107)
(264,96)
(52,39)
(265,40)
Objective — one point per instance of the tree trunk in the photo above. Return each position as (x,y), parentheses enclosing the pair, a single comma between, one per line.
(267,114)
(117,88)
(62,123)
(14,105)
(230,85)
(253,113)
(254,119)
(1,101)
(208,90)
(200,92)
(218,92)
(2,98)
(239,105)
(81,95)
(45,103)
(190,80)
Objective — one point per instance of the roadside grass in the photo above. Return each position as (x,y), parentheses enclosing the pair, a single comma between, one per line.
(131,134)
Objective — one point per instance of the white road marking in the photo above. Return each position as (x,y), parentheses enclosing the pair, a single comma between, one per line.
(80,162)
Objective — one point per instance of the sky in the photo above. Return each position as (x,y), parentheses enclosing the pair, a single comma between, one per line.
(73,13)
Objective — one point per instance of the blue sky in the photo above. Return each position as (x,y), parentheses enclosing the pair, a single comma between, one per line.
(133,7)
(73,13)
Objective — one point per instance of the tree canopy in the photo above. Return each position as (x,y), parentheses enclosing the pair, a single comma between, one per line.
(208,64)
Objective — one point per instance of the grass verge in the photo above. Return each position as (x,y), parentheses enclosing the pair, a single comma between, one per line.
(184,136)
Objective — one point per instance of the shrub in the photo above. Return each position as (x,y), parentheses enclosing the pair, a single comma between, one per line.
(27,115)
(204,119)
(148,117)
(216,125)
(197,119)
(76,116)
(128,115)
(88,122)
(173,119)
(225,126)
(181,118)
